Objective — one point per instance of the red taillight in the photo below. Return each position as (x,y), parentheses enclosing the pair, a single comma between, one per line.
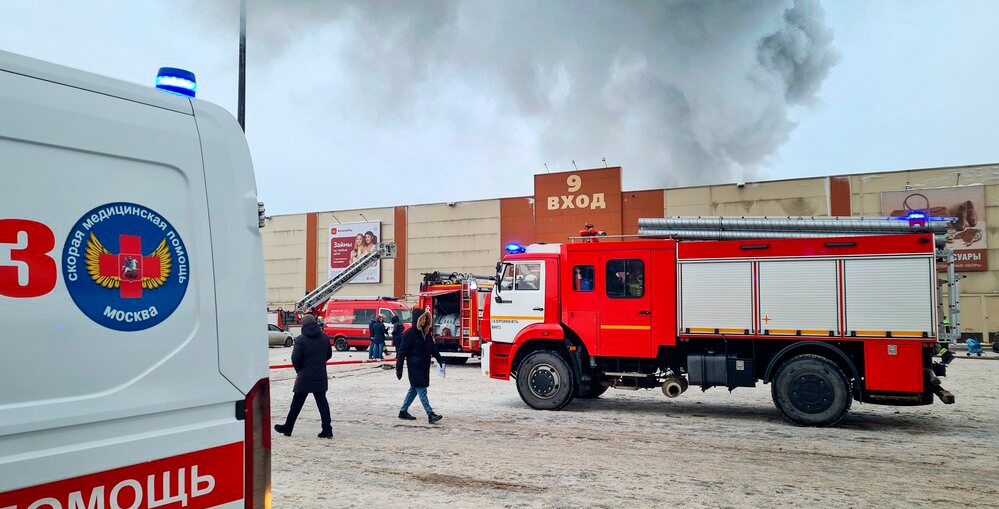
(257,447)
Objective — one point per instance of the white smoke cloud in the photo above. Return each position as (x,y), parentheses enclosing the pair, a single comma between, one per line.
(684,91)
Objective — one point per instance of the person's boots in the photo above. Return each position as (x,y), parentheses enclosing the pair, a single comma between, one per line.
(327,432)
(282,429)
(434,418)
(405,416)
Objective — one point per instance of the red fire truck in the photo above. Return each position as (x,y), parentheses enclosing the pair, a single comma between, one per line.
(456,299)
(823,313)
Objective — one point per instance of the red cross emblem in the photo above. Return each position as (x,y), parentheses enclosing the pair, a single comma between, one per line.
(130,266)
(766,319)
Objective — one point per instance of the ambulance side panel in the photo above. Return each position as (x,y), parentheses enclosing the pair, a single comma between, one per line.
(236,246)
(77,396)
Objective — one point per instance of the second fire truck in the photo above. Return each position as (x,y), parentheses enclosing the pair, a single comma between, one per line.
(456,301)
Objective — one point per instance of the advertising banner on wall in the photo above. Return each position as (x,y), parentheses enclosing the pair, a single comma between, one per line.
(967,234)
(351,241)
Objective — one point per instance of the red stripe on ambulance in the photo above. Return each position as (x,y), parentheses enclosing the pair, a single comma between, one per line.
(197,480)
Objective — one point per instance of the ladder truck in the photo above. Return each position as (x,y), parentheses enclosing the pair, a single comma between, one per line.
(827,310)
(456,301)
(315,301)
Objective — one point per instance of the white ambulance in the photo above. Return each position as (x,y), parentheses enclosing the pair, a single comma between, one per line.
(133,363)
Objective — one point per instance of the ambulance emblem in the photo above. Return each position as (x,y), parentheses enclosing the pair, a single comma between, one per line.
(131,272)
(125,266)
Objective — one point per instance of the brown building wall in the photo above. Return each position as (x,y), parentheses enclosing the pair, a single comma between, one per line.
(311,220)
(517,221)
(839,196)
(399,286)
(566,201)
(638,204)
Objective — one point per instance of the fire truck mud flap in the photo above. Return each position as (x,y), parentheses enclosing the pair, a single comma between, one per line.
(485,359)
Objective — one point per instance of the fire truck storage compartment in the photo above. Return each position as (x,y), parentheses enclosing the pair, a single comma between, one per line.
(798,297)
(716,295)
(707,369)
(890,296)
(446,303)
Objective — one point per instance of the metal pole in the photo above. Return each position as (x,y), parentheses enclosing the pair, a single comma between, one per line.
(241,98)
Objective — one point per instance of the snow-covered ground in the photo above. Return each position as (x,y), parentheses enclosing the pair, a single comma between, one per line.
(629,449)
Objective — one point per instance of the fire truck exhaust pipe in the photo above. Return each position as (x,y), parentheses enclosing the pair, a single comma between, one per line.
(674,387)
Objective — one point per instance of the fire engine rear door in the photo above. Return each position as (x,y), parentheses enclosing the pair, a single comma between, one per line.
(625,315)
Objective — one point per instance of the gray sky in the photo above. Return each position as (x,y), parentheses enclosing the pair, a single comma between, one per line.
(350,106)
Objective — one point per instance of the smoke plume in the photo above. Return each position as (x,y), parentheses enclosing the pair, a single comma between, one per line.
(682,91)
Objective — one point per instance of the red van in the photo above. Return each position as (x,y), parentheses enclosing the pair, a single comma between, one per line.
(346,320)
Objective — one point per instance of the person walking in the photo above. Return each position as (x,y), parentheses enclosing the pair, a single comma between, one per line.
(312,350)
(378,332)
(415,350)
(397,330)
(371,338)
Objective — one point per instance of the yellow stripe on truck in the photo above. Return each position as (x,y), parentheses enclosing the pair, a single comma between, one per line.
(536,318)
(626,327)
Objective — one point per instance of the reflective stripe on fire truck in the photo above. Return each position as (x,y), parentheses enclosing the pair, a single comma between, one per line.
(537,318)
(626,327)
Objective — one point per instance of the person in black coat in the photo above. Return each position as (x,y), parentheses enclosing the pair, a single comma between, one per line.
(371,338)
(397,330)
(312,350)
(415,350)
(378,332)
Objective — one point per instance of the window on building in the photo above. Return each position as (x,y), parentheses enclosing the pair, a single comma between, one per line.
(582,278)
(625,279)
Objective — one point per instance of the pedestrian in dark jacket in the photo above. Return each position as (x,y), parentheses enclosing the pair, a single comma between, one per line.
(312,350)
(378,332)
(397,330)
(371,338)
(416,349)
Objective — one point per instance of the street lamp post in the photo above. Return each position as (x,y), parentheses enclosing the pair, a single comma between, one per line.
(241,96)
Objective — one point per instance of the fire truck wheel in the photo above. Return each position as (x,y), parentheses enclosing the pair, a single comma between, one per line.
(544,381)
(595,391)
(341,345)
(811,390)
(455,361)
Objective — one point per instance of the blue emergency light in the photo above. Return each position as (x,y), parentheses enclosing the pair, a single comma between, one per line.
(176,81)
(513,248)
(915,214)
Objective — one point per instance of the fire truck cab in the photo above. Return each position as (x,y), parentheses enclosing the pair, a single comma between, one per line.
(823,320)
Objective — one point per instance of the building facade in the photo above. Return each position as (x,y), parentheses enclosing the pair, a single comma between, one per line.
(302,251)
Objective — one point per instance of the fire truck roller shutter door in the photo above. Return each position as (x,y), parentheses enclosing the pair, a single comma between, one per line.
(716,295)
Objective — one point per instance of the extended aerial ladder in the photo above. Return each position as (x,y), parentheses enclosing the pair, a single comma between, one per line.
(385,250)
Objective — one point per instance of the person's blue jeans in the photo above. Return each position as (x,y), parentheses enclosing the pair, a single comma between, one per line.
(411,395)
(377,350)
(371,348)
